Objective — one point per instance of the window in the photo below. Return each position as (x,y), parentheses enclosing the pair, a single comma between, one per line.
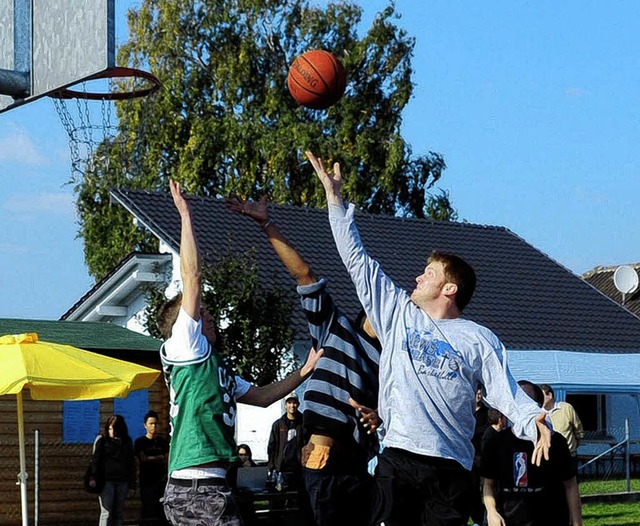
(592,410)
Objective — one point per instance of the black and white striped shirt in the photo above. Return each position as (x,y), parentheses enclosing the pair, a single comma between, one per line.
(348,368)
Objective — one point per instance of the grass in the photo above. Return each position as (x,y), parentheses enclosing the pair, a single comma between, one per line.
(597,487)
(606,514)
(611,514)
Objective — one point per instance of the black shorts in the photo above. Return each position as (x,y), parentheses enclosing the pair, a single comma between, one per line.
(417,490)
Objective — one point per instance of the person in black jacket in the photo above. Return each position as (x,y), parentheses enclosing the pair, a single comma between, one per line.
(113,457)
(285,445)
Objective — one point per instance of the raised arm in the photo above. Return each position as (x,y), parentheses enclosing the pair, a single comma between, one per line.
(190,266)
(292,260)
(378,295)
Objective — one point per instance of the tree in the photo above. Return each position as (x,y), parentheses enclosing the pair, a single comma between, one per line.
(223,121)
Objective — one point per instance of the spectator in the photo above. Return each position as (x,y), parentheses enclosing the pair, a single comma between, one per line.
(113,452)
(565,420)
(285,445)
(245,456)
(517,492)
(152,452)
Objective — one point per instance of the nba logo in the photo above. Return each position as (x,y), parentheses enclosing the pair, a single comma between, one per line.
(520,478)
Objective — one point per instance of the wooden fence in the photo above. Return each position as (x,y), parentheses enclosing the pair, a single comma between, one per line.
(62,499)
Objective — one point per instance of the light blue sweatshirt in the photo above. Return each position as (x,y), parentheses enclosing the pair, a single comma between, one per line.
(429,369)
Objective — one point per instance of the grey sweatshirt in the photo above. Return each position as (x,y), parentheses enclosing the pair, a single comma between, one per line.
(429,369)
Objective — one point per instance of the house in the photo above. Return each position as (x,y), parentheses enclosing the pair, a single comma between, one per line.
(557,328)
(66,430)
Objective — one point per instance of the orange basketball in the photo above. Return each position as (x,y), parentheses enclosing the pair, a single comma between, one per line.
(316,79)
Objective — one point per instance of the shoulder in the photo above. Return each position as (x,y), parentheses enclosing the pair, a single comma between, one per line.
(187,345)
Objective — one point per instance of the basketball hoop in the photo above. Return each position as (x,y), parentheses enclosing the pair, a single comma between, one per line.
(89,112)
(139,84)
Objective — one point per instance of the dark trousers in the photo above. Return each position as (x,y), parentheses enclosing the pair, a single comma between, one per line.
(338,499)
(417,490)
(152,512)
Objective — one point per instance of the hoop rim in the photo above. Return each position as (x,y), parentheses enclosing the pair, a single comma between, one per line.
(117,72)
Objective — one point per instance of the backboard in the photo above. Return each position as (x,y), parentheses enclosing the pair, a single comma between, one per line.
(52,44)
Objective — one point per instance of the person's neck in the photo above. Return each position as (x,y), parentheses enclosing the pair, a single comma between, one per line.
(150,436)
(441,310)
(292,416)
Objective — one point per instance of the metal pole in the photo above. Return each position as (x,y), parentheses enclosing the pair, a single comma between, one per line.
(36,477)
(627,456)
(22,476)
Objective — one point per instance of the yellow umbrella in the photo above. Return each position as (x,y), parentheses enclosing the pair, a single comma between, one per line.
(54,371)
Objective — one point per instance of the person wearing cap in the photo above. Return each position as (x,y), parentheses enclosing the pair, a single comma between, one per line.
(203,391)
(285,444)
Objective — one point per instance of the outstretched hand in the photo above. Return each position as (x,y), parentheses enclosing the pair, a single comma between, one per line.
(312,360)
(178,198)
(369,417)
(256,210)
(332,181)
(543,443)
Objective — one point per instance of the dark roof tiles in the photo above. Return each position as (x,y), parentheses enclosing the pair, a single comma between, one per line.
(526,298)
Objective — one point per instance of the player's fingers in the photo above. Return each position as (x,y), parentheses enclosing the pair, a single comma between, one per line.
(337,175)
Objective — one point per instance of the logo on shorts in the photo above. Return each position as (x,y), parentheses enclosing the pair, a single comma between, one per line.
(520,476)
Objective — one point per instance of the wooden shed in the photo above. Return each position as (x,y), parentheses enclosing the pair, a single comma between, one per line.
(62,457)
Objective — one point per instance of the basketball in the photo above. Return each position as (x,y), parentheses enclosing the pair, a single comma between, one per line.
(316,79)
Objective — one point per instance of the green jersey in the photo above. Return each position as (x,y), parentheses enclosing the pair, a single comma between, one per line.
(203,411)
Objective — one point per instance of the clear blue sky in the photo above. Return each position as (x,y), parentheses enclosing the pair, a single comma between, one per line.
(535,107)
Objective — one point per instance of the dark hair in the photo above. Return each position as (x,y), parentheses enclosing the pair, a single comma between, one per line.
(458,271)
(547,389)
(168,314)
(151,414)
(493,416)
(247,448)
(119,425)
(532,391)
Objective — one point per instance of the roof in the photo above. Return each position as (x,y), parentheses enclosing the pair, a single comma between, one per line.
(118,286)
(602,279)
(90,336)
(530,301)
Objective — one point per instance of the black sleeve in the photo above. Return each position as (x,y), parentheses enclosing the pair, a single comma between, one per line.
(272,448)
(97,458)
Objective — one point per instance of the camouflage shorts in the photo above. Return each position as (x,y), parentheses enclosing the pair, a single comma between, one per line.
(200,505)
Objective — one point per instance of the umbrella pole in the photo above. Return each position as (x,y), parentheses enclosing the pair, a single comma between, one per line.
(22,476)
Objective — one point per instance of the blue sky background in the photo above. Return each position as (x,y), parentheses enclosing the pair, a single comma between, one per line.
(534,106)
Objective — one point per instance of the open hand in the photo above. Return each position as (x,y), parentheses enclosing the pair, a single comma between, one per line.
(543,443)
(312,361)
(255,210)
(369,417)
(178,198)
(332,181)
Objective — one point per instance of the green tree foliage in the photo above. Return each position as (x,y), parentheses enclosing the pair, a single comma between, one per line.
(224,122)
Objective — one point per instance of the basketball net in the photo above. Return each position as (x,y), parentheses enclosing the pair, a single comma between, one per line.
(89,114)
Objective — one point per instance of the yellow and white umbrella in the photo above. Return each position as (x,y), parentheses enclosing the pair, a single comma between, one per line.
(54,371)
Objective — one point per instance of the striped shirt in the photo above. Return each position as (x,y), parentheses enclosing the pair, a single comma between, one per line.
(348,368)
